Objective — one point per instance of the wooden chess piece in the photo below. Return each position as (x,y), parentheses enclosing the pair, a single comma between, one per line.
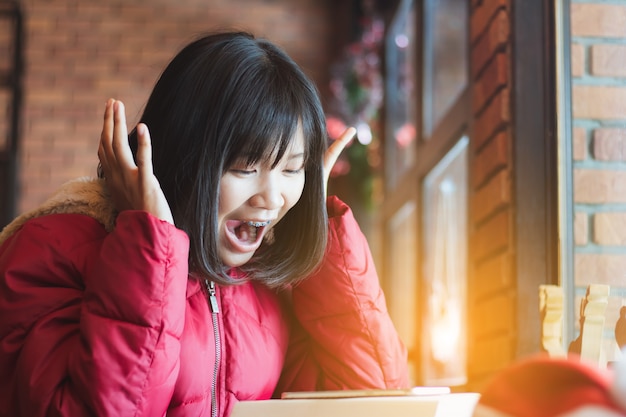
(592,314)
(551,309)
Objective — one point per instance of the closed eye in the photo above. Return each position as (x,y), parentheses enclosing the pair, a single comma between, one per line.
(294,171)
(243,171)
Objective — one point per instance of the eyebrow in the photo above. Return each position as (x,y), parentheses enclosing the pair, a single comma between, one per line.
(286,157)
(290,157)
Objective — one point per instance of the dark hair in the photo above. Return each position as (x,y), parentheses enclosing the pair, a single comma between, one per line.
(225,95)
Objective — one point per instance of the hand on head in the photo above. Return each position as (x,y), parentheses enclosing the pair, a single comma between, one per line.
(133,186)
(333,152)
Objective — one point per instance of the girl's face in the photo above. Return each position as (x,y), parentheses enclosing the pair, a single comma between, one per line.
(254,198)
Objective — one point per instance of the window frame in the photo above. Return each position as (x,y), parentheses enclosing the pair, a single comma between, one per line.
(535,164)
(12,81)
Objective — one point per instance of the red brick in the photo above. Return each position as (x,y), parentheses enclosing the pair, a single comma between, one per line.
(579,144)
(609,229)
(482,15)
(494,78)
(598,102)
(581,228)
(497,115)
(609,144)
(491,236)
(593,268)
(47,96)
(598,20)
(599,186)
(494,39)
(608,60)
(492,158)
(493,196)
(577,57)
(492,276)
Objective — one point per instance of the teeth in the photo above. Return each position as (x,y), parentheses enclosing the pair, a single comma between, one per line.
(258,224)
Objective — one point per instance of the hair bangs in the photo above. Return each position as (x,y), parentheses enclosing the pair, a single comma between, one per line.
(267,127)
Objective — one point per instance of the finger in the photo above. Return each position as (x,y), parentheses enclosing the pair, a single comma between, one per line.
(105,150)
(144,153)
(103,165)
(335,149)
(121,148)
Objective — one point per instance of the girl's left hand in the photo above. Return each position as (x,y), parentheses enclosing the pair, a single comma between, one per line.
(333,152)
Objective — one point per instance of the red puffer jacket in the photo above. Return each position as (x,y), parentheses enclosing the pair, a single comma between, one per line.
(104,321)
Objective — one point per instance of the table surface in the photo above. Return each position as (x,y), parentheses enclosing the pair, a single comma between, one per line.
(446,405)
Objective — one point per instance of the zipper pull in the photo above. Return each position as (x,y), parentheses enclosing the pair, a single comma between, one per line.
(212,298)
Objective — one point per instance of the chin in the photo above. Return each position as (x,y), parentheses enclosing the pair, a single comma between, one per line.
(233,261)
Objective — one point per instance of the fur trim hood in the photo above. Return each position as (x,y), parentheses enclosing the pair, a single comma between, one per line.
(85,195)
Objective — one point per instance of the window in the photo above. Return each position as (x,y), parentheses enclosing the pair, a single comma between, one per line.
(427,114)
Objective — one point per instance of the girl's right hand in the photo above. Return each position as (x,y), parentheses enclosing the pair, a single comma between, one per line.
(132,186)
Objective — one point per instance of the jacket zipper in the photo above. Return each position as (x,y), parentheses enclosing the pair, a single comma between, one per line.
(218,350)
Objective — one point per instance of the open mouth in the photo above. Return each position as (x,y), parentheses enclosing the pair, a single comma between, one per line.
(245,235)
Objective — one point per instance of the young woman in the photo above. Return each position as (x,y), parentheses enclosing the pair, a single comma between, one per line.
(206,265)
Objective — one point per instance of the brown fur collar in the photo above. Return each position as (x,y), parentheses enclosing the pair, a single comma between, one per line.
(83,195)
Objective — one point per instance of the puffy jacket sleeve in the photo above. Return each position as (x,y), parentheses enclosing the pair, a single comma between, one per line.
(90,322)
(343,337)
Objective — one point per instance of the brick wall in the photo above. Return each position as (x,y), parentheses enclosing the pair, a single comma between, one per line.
(598,62)
(492,283)
(80,53)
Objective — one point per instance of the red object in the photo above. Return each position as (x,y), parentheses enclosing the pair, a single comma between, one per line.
(548,387)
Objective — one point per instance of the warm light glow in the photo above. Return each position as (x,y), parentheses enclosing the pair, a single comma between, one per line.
(445,334)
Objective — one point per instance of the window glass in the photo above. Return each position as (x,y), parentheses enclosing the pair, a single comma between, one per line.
(445,270)
(445,57)
(401,123)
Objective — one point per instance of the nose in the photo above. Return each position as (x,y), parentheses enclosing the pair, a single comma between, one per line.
(269,195)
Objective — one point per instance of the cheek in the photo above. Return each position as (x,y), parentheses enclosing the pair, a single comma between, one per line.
(231,194)
(294,193)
